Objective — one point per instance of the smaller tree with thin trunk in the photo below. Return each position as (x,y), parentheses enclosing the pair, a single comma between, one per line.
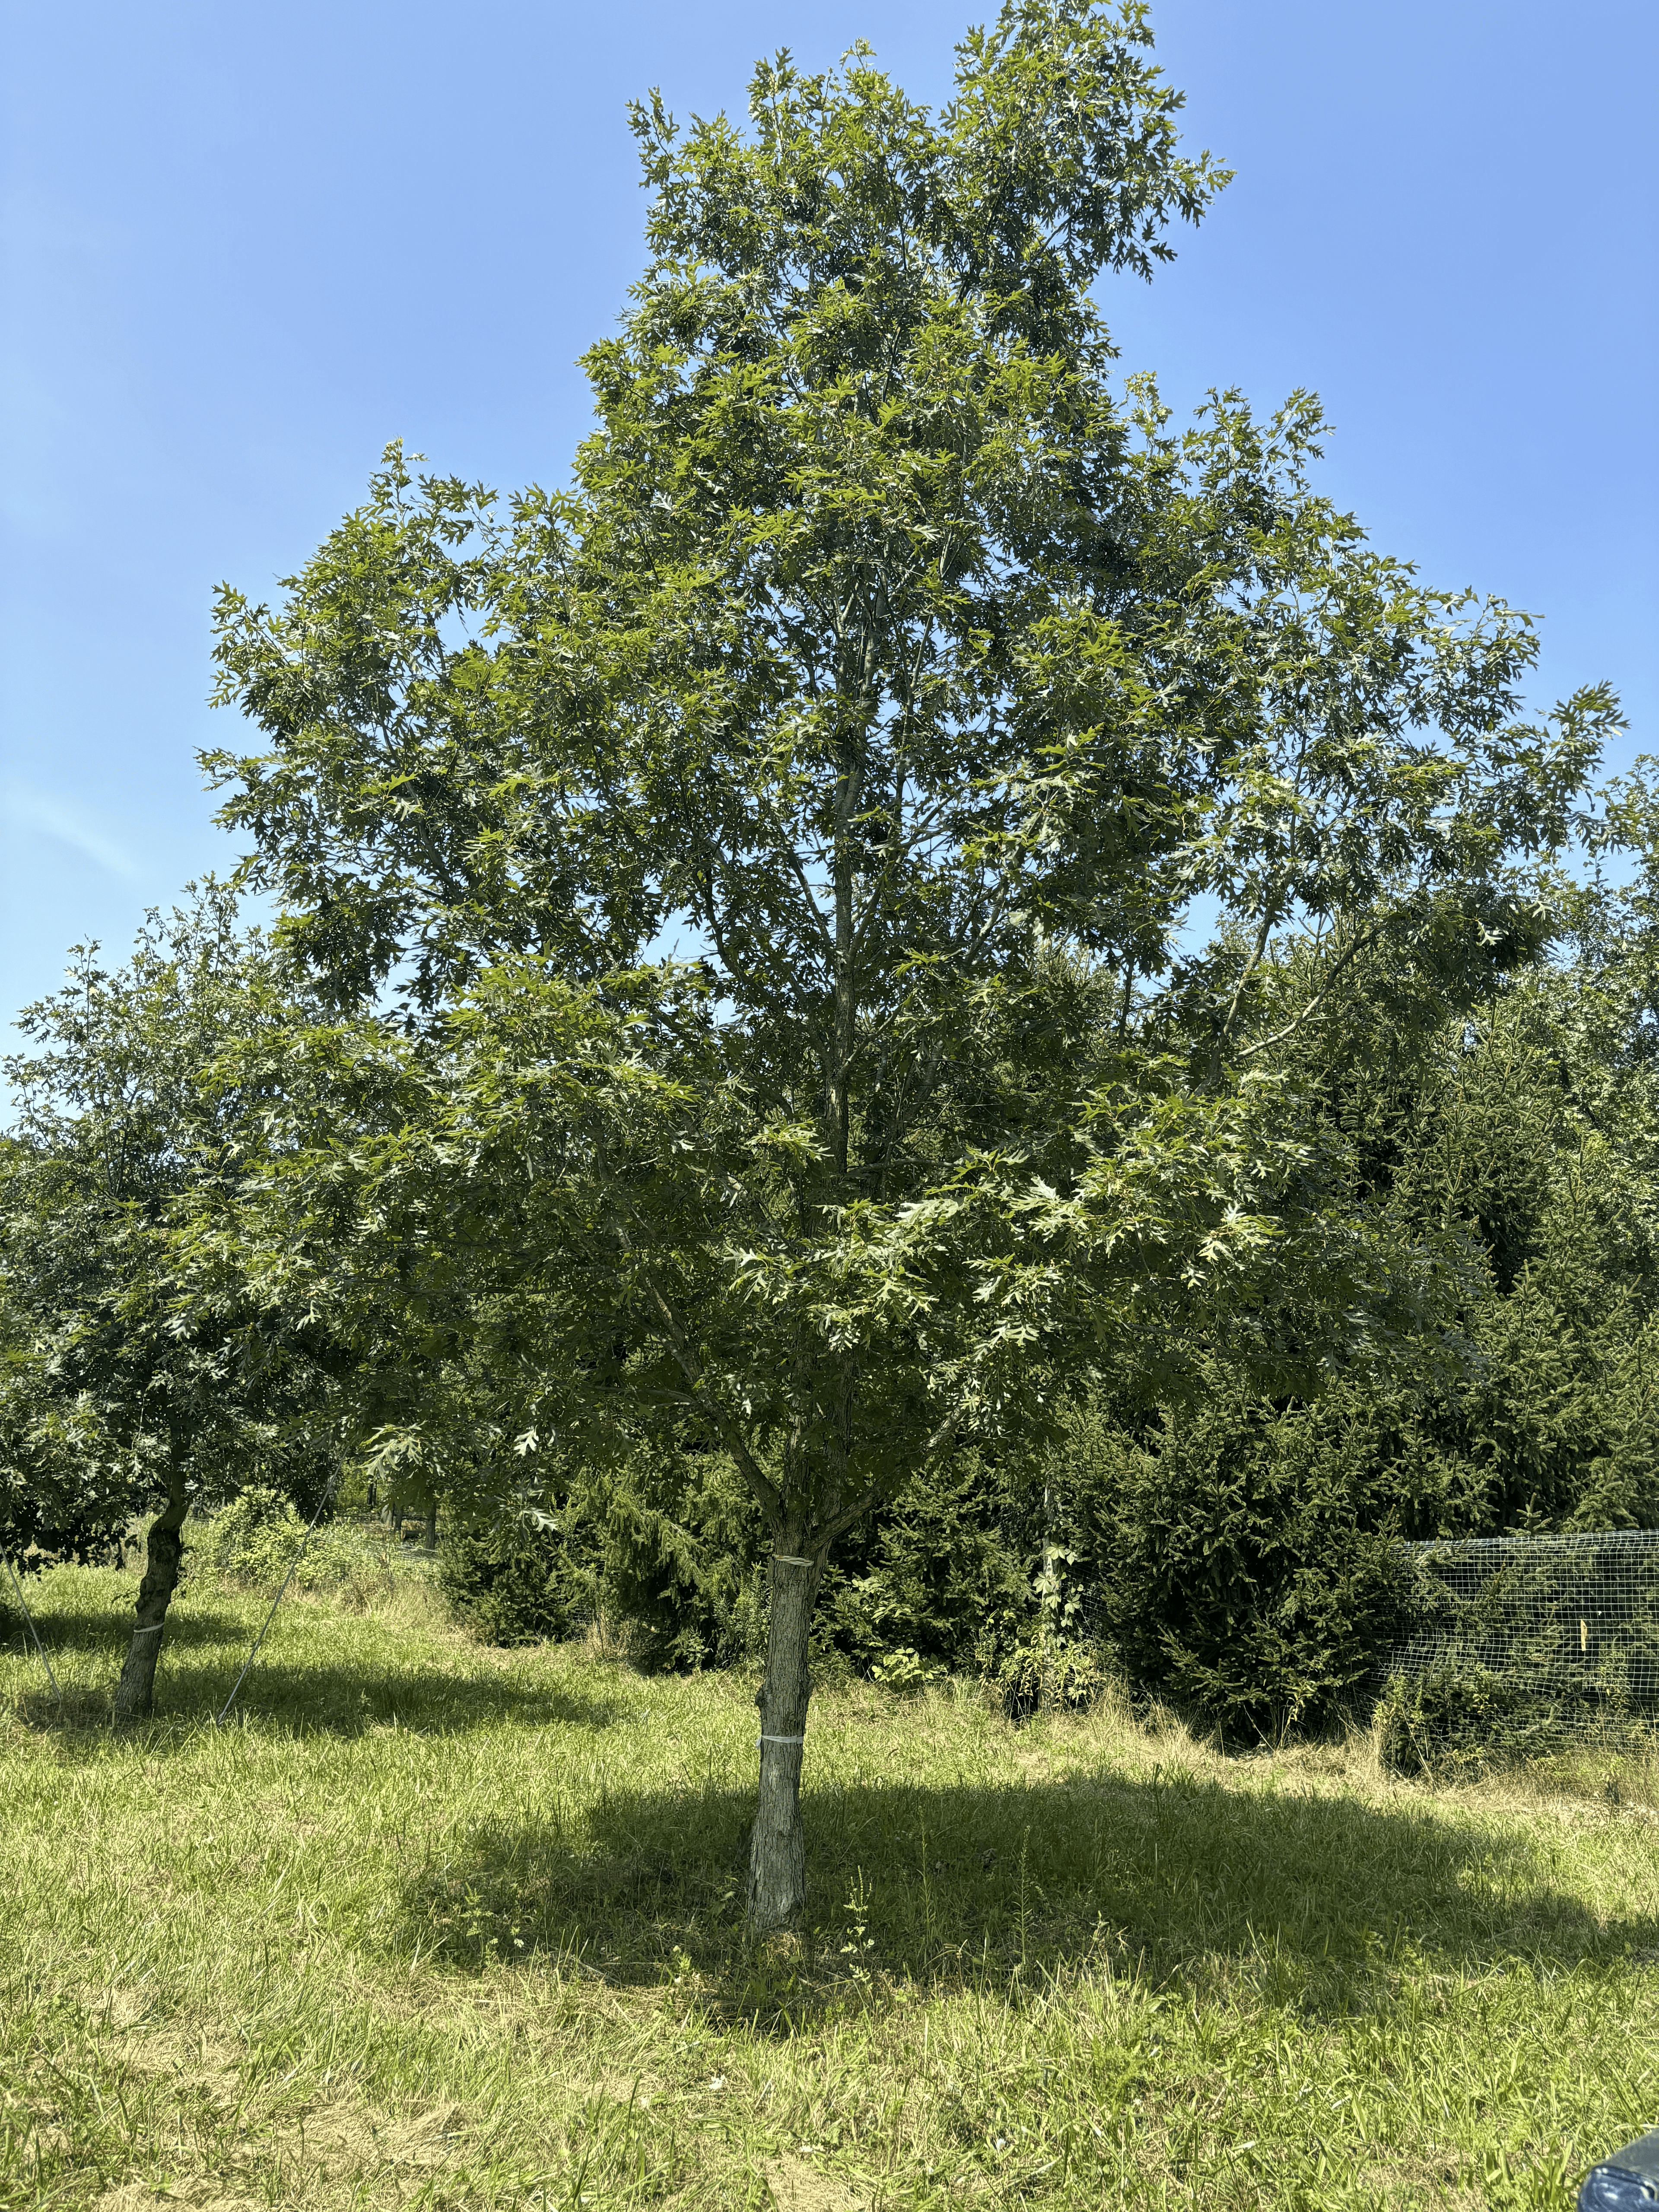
(972,736)
(114,1402)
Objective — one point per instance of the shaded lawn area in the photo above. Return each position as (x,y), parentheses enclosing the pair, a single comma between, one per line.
(438,1924)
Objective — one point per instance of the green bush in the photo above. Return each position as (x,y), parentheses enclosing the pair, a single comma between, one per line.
(945,1573)
(940,1582)
(943,1579)
(1242,1570)
(511,1581)
(1050,1674)
(679,1551)
(1515,1652)
(687,1582)
(905,1671)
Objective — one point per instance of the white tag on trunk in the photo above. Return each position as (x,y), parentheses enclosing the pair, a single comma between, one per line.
(780,1738)
(785,1559)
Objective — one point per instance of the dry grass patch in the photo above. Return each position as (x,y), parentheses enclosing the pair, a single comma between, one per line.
(794,2186)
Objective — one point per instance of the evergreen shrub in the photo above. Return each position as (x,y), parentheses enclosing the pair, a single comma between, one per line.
(1246,1564)
(941,1581)
(689,1584)
(679,1553)
(511,1581)
(1520,1646)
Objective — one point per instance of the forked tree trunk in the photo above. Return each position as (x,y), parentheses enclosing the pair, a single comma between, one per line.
(163,1552)
(777,1850)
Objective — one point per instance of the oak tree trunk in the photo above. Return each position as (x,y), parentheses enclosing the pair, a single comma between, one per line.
(777,1850)
(163,1552)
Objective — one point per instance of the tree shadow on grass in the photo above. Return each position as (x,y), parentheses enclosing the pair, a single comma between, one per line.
(1318,1902)
(292,1686)
(79,1629)
(306,1695)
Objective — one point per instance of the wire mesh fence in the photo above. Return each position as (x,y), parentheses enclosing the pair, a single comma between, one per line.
(1519,1643)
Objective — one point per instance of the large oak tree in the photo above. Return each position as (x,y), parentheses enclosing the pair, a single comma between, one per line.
(829,861)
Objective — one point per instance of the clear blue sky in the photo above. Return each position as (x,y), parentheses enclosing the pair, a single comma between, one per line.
(245,245)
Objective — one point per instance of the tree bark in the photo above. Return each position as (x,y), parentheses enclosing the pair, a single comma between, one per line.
(777,1850)
(430,1537)
(163,1552)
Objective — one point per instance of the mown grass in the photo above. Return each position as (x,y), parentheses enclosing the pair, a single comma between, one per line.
(431,1924)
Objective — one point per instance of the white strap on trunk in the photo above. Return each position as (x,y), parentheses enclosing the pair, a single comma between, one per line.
(155,1631)
(780,1738)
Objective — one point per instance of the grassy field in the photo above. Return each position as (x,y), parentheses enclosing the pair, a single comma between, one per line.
(432,1924)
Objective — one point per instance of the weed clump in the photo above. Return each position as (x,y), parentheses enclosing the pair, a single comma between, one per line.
(1048,1674)
(1463,1719)
(253,1544)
